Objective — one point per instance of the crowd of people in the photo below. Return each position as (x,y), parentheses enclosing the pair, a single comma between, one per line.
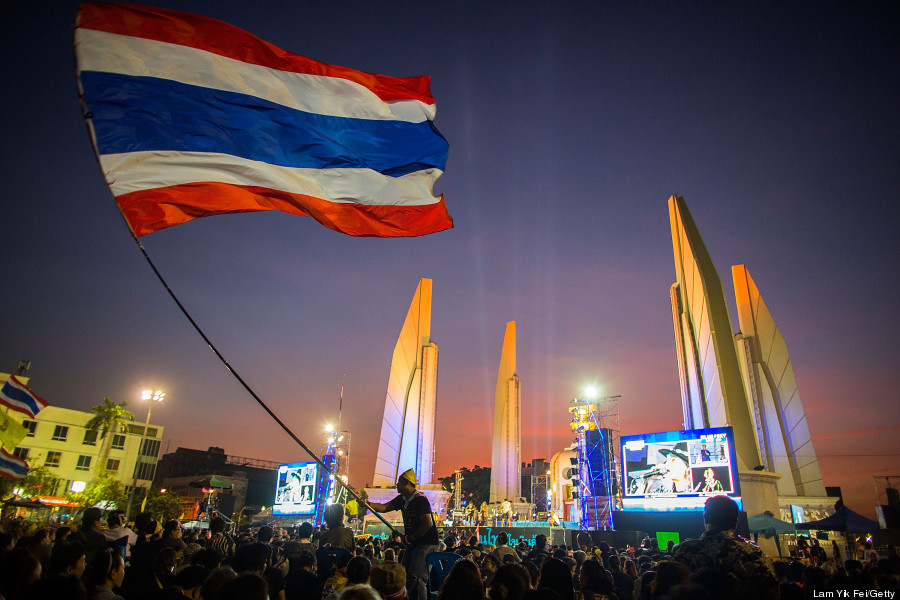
(150,560)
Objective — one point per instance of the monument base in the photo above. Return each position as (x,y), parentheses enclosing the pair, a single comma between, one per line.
(759,490)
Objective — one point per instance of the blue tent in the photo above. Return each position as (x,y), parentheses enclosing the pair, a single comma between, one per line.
(843,520)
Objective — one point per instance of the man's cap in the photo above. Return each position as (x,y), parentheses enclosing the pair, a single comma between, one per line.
(410,476)
(389,578)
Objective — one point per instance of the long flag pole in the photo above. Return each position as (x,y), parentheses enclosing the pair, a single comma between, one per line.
(250,391)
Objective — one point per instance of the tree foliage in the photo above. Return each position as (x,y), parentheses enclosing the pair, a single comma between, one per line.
(105,490)
(39,482)
(108,417)
(476,484)
(164,507)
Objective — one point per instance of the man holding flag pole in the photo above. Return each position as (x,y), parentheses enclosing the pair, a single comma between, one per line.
(192,117)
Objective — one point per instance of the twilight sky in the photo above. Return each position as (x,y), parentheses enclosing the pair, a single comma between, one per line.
(570,124)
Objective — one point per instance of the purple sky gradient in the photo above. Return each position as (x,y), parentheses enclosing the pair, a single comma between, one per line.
(569,125)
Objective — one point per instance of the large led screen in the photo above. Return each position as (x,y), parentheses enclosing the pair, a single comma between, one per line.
(295,492)
(678,470)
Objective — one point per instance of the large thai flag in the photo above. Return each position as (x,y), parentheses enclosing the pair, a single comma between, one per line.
(193,117)
(12,466)
(17,396)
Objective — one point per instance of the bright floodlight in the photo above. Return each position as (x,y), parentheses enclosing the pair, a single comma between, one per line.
(78,486)
(155,395)
(590,392)
(328,428)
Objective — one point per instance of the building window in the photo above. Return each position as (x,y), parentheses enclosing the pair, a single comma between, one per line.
(150,448)
(134,429)
(90,438)
(145,471)
(30,426)
(60,433)
(118,442)
(84,463)
(21,453)
(53,459)
(112,464)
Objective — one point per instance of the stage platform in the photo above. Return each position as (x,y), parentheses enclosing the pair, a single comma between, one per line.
(630,530)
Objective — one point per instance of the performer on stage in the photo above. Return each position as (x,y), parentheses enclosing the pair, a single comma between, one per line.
(506,513)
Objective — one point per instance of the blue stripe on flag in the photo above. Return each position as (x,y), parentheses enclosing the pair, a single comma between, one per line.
(132,114)
(22,400)
(12,466)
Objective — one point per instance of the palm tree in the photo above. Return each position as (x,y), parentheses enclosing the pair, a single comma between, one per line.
(108,417)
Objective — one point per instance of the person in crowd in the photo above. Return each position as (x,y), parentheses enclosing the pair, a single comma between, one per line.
(359,592)
(534,572)
(645,589)
(503,549)
(68,559)
(245,586)
(18,569)
(338,580)
(420,531)
(595,583)
(218,540)
(463,582)
(254,558)
(301,582)
(39,544)
(539,552)
(116,530)
(62,534)
(105,574)
(208,558)
(669,574)
(148,545)
(726,566)
(389,580)
(510,582)
(188,583)
(337,534)
(358,570)
(557,576)
(216,585)
(623,583)
(489,567)
(304,539)
(90,532)
(172,537)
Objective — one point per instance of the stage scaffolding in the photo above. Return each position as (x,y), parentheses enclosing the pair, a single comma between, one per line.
(595,421)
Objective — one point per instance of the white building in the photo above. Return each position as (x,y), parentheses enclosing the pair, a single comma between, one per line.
(59,440)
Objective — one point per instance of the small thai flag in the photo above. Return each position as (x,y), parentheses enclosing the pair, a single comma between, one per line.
(12,466)
(17,396)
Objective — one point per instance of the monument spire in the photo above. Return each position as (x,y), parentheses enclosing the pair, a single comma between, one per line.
(407,429)
(506,465)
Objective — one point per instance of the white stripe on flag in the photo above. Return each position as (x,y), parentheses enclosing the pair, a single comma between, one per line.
(138,171)
(333,96)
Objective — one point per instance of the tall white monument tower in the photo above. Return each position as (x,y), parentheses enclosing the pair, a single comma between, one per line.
(506,465)
(782,433)
(407,430)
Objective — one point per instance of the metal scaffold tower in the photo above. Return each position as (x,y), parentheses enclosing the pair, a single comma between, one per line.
(595,421)
(336,456)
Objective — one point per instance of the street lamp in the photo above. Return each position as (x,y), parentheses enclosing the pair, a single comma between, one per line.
(150,396)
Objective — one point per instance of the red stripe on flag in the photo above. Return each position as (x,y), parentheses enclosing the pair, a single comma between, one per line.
(151,210)
(212,35)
